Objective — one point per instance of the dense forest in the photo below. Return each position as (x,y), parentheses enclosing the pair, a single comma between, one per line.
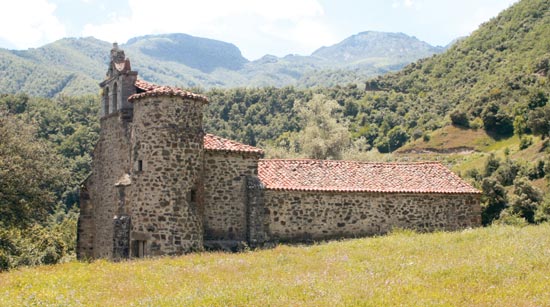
(495,82)
(44,155)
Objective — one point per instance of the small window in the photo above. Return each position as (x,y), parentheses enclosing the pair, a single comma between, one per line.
(106,101)
(193,196)
(140,166)
(115,97)
(139,249)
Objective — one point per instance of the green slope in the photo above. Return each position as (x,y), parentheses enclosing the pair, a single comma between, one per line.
(505,61)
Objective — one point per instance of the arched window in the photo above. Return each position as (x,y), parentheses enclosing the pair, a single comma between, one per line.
(115,97)
(106,101)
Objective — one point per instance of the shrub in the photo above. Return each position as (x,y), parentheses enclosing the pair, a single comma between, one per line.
(537,170)
(494,200)
(35,245)
(426,137)
(525,200)
(491,165)
(496,120)
(525,142)
(542,214)
(476,123)
(506,172)
(460,118)
(396,138)
(417,133)
(509,218)
(539,121)
(474,174)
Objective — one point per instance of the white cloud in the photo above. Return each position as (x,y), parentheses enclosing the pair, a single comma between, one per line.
(406,4)
(29,23)
(231,21)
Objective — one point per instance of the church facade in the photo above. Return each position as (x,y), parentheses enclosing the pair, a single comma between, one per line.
(160,185)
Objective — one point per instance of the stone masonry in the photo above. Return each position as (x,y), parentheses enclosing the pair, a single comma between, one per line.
(160,185)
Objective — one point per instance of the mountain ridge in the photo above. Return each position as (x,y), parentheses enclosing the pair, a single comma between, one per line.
(74,66)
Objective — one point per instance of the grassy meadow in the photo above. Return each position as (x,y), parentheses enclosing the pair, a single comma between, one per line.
(495,266)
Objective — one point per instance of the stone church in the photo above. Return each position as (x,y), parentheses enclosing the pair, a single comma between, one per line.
(160,185)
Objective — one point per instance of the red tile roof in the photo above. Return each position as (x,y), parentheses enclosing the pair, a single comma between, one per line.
(146,89)
(352,176)
(216,143)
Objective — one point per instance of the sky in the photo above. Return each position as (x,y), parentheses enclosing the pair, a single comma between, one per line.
(257,27)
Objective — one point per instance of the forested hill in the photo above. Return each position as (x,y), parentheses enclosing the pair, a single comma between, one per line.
(74,66)
(495,76)
(495,79)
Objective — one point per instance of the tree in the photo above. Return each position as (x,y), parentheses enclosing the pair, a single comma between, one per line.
(491,165)
(460,118)
(542,214)
(539,121)
(30,174)
(496,120)
(324,135)
(396,138)
(494,200)
(525,200)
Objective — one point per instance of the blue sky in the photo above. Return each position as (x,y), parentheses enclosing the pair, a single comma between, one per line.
(257,27)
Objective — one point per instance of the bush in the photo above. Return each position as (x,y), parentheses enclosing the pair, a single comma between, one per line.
(542,214)
(396,138)
(525,200)
(537,171)
(494,200)
(506,172)
(426,137)
(474,174)
(539,121)
(509,218)
(417,133)
(37,244)
(496,120)
(460,118)
(476,123)
(491,165)
(525,142)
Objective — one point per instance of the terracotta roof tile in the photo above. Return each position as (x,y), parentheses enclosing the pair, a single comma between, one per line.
(216,143)
(146,89)
(352,176)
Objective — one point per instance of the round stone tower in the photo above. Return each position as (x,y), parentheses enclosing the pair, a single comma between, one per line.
(166,205)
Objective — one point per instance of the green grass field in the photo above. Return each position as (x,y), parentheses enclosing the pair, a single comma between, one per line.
(495,266)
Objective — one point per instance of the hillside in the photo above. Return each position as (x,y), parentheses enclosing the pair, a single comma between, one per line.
(495,266)
(74,66)
(505,62)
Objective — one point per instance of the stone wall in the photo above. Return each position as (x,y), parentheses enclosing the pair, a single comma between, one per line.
(225,212)
(86,225)
(99,194)
(305,216)
(167,184)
